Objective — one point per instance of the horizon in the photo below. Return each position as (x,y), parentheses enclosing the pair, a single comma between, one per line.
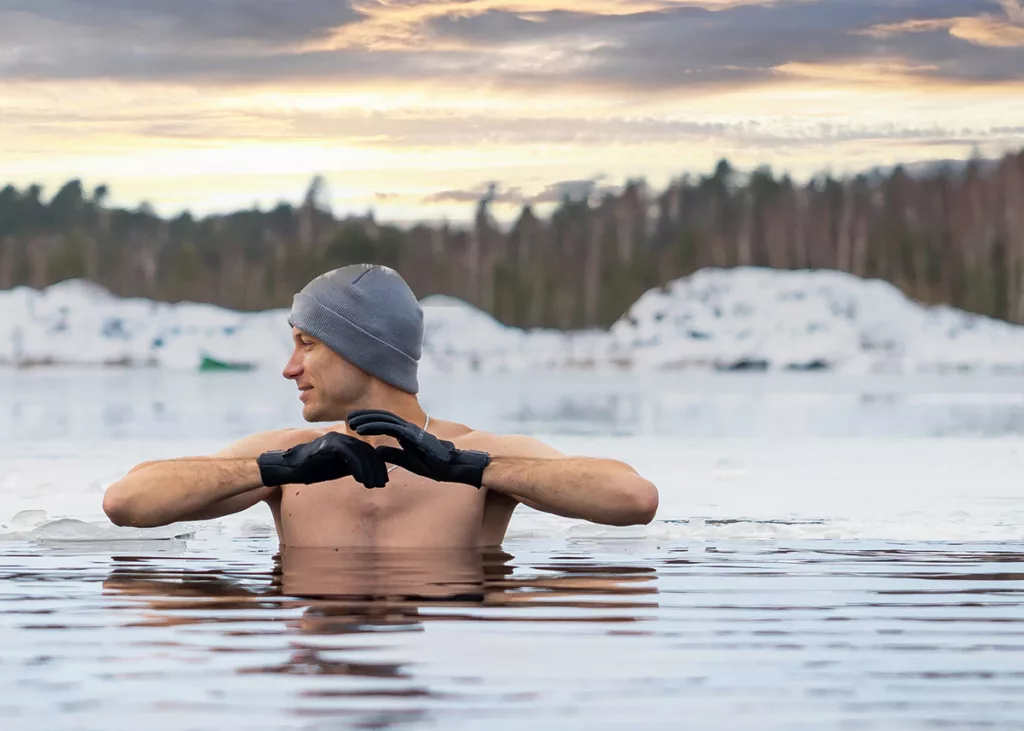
(541,206)
(411,109)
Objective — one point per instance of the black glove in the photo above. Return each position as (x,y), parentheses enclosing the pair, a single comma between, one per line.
(421,452)
(325,458)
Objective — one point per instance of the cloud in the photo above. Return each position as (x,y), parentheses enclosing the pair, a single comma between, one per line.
(575,190)
(490,191)
(658,46)
(135,24)
(420,128)
(162,40)
(1014,10)
(983,30)
(578,189)
(691,47)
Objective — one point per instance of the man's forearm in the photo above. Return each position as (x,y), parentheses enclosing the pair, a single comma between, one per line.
(598,490)
(160,493)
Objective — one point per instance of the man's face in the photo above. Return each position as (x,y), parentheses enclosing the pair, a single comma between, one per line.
(329,386)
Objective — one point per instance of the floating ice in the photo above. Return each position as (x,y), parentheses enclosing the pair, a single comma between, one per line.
(71,529)
(28,519)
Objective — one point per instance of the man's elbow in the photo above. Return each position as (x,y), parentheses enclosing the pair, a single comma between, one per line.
(123,511)
(122,504)
(642,503)
(647,500)
(116,507)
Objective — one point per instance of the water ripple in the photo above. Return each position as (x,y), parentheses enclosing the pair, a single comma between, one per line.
(224,633)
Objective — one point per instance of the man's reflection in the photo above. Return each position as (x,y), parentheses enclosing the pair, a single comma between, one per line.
(344,592)
(457,575)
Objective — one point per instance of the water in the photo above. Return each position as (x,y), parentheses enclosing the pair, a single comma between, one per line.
(830,554)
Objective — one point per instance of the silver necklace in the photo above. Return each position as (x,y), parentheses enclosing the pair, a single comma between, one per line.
(426,423)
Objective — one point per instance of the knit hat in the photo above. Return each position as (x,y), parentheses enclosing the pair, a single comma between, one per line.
(367,314)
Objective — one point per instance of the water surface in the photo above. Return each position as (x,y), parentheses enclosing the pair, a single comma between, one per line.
(231,636)
(830,554)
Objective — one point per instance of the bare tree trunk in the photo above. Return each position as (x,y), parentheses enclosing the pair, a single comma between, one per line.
(844,245)
(8,254)
(592,272)
(744,251)
(40,251)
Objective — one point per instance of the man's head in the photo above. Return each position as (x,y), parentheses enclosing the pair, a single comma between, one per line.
(355,328)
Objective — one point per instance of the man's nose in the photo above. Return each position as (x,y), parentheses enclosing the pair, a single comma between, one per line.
(292,369)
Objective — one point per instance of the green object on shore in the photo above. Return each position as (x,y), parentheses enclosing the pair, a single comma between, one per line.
(212,364)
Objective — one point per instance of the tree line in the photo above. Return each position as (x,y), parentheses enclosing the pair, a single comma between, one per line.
(952,235)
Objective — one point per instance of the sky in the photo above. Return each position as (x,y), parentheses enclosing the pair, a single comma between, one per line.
(412,108)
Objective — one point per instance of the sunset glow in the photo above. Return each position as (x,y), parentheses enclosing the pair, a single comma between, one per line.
(410,107)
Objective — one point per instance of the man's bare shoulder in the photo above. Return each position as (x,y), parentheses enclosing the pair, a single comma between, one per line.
(255,444)
(505,445)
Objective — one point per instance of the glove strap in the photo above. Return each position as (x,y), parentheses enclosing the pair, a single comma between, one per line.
(273,470)
(468,467)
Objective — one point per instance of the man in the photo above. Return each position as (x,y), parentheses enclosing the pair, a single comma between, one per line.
(357,335)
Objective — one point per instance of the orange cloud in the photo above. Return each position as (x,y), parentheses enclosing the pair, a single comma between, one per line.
(988,31)
(397,26)
(396,129)
(1014,10)
(877,72)
(983,30)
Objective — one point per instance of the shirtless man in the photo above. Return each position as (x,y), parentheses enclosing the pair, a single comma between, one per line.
(357,335)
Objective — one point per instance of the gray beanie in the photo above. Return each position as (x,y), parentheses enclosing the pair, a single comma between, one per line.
(368,315)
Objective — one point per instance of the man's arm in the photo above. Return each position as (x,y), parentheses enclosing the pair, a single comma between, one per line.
(193,488)
(598,490)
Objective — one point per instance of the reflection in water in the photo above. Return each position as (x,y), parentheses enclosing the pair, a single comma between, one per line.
(433,574)
(344,592)
(725,413)
(876,635)
(98,404)
(367,581)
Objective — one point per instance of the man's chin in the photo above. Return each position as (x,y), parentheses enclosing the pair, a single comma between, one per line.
(313,415)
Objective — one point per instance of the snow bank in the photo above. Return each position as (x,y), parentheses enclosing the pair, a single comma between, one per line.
(79,323)
(458,336)
(751,318)
(744,318)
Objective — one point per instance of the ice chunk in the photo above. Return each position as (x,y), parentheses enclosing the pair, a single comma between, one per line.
(28,519)
(70,529)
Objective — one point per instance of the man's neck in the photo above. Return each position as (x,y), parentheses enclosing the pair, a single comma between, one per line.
(405,406)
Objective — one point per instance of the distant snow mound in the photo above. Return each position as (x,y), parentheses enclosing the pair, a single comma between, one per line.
(76,291)
(724,319)
(459,337)
(754,318)
(80,323)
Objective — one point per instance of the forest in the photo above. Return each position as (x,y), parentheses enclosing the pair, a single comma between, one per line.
(950,234)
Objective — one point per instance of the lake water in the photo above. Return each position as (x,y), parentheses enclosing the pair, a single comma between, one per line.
(830,553)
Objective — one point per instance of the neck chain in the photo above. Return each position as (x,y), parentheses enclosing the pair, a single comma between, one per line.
(426,423)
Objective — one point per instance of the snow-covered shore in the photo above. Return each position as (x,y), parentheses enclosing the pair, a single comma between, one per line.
(745,318)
